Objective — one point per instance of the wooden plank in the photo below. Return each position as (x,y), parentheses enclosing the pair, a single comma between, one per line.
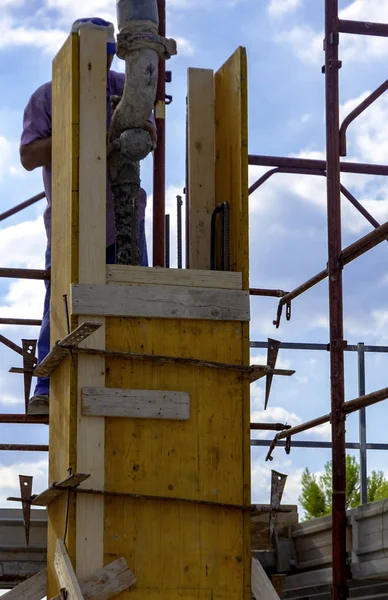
(231,170)
(231,176)
(137,404)
(56,489)
(124,274)
(65,573)
(57,354)
(34,588)
(107,582)
(92,244)
(64,242)
(200,164)
(166,302)
(262,588)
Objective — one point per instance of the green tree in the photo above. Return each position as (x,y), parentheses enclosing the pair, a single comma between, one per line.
(316,496)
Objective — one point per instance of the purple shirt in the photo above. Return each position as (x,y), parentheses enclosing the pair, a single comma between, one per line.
(37,125)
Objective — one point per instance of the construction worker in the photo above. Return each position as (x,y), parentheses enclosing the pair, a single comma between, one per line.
(35,151)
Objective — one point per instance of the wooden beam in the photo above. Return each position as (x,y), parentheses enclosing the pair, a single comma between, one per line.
(262,588)
(64,270)
(137,404)
(123,274)
(92,247)
(56,489)
(200,163)
(107,582)
(231,117)
(57,354)
(231,168)
(34,588)
(65,573)
(165,302)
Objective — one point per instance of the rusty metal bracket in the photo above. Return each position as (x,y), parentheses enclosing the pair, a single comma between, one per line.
(278,315)
(278,482)
(29,362)
(272,354)
(287,446)
(26,495)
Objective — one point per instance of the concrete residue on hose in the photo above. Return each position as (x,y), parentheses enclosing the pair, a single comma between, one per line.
(140,46)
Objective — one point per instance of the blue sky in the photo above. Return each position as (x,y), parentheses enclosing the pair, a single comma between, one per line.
(287,215)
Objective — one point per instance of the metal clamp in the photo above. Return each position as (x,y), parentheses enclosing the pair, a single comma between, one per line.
(221,209)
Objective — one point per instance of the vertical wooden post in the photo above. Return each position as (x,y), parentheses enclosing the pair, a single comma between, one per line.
(92,249)
(200,163)
(231,178)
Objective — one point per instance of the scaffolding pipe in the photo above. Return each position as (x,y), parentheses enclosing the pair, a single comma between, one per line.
(357,112)
(362,424)
(312,164)
(13,211)
(350,253)
(19,418)
(159,187)
(362,28)
(27,322)
(37,274)
(337,378)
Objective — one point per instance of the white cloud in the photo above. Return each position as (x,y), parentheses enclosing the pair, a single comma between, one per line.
(307,42)
(9,477)
(185,47)
(278,8)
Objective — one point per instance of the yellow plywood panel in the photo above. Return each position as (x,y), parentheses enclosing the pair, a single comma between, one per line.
(232,155)
(176,550)
(200,458)
(65,134)
(231,116)
(200,164)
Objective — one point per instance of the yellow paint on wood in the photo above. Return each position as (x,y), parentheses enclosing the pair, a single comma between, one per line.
(175,550)
(231,117)
(65,136)
(92,245)
(200,163)
(232,155)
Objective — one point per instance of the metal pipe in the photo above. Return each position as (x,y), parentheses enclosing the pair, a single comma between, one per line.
(307,346)
(28,322)
(159,193)
(24,448)
(312,164)
(19,418)
(337,378)
(167,249)
(264,292)
(316,445)
(269,426)
(362,27)
(37,274)
(322,173)
(362,425)
(10,344)
(19,207)
(350,253)
(179,203)
(357,111)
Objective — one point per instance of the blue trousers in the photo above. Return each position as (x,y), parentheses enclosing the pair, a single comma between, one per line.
(43,384)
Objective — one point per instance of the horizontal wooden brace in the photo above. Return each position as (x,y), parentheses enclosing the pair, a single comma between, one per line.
(58,353)
(160,301)
(107,582)
(124,274)
(34,588)
(56,489)
(137,404)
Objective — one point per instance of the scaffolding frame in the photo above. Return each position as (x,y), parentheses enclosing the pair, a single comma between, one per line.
(337,259)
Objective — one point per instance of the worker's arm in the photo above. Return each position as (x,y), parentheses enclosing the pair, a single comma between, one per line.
(36,154)
(35,143)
